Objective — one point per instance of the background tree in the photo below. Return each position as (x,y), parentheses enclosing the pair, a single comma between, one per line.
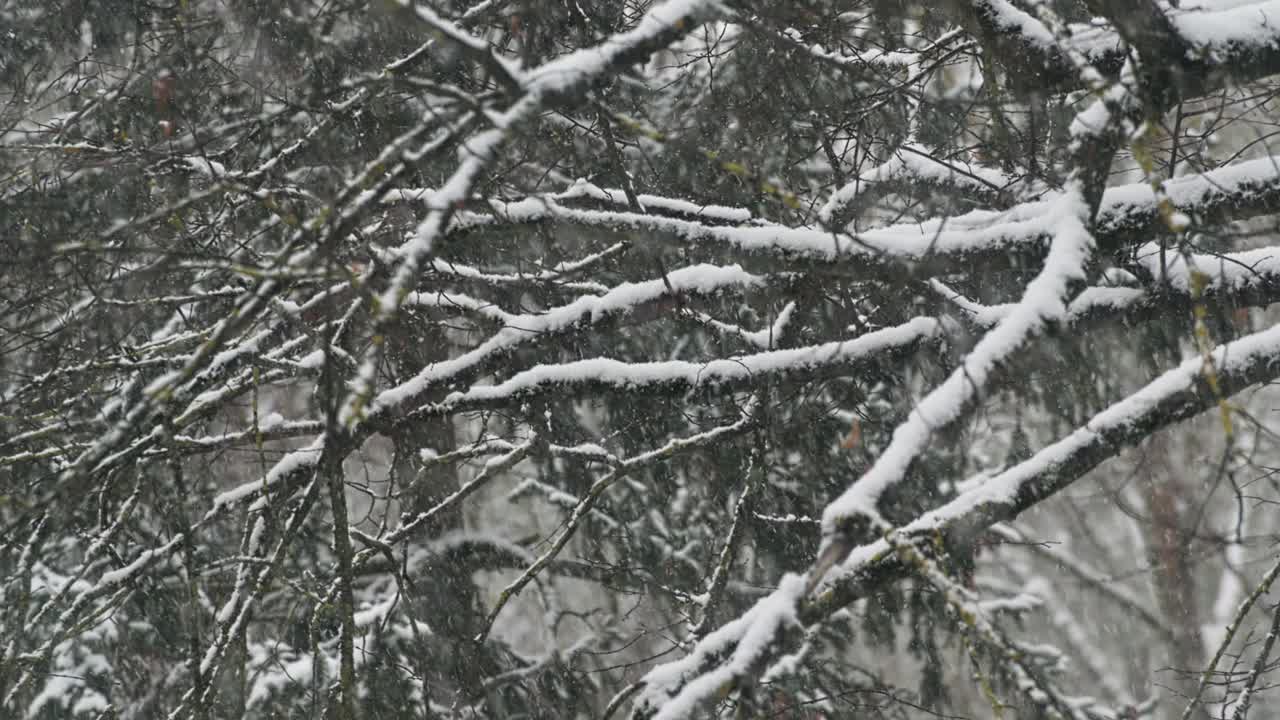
(674,359)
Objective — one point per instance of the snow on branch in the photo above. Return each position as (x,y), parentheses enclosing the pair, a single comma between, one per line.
(1045,301)
(916,170)
(504,292)
(838,357)
(1127,216)
(558,78)
(732,652)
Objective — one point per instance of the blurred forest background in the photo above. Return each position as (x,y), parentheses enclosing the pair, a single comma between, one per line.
(610,358)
